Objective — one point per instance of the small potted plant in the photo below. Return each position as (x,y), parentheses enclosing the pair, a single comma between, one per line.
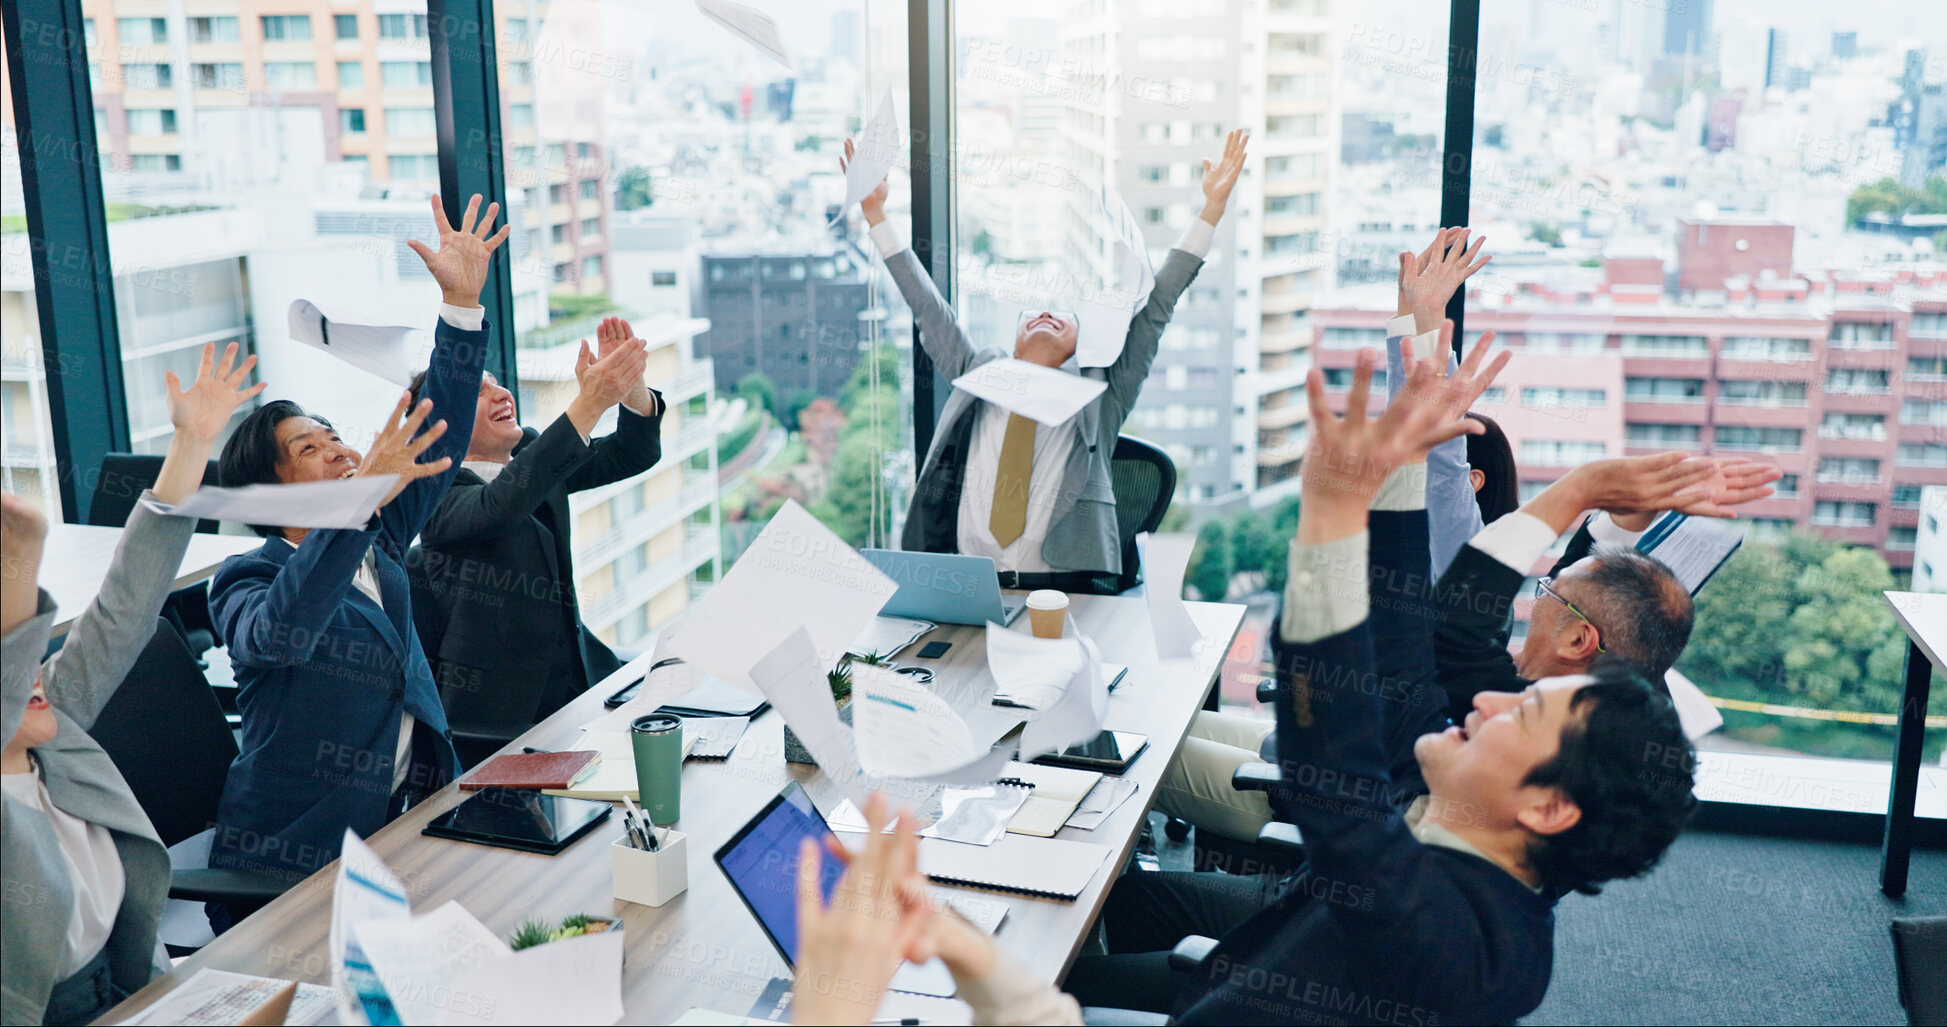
(839,678)
(537,932)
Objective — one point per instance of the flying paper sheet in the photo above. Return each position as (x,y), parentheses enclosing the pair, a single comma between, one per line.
(366,891)
(792,677)
(572,981)
(417,958)
(1164,560)
(1105,316)
(1043,394)
(873,154)
(795,574)
(338,503)
(902,730)
(748,24)
(383,350)
(1061,678)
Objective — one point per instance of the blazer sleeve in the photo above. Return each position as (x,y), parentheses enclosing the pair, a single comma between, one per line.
(1130,370)
(939,330)
(108,637)
(1453,515)
(1579,545)
(475,513)
(20,664)
(453,384)
(632,448)
(1472,602)
(273,618)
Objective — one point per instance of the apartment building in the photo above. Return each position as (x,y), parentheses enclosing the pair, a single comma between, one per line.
(1840,378)
(793,313)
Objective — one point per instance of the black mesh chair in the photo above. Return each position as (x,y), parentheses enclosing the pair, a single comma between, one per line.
(1920,959)
(169,738)
(123,478)
(1144,478)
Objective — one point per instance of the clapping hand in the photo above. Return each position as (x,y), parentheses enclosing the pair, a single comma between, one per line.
(460,263)
(879,915)
(1429,280)
(399,445)
(203,410)
(874,204)
(1220,178)
(609,378)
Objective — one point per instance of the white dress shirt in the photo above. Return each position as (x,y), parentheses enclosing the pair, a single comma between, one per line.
(94,870)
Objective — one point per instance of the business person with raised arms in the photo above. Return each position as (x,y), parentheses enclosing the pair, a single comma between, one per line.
(86,876)
(342,724)
(493,576)
(1038,500)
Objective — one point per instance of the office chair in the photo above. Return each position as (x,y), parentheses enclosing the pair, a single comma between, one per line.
(1920,959)
(1144,479)
(1278,846)
(123,478)
(167,735)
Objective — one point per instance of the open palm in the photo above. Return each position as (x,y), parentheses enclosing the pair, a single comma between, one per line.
(203,410)
(460,264)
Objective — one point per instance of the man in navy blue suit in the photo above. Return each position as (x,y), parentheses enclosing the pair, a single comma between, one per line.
(342,724)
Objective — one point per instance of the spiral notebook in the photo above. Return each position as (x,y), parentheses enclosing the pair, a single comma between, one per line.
(1019,863)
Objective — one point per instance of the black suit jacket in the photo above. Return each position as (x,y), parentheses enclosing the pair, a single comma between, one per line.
(1474,604)
(493,577)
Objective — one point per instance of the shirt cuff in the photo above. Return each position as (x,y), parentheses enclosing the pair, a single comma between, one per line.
(1603,530)
(1515,541)
(1325,592)
(1197,238)
(886,240)
(466,319)
(655,402)
(1425,344)
(1404,489)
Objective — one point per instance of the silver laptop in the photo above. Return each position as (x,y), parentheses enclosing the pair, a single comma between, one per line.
(945,588)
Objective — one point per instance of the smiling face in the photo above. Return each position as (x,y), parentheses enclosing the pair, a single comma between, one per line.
(496,431)
(309,450)
(38,727)
(1046,337)
(1481,765)
(1559,640)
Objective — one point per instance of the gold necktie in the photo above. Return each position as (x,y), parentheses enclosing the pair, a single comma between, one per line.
(1010,514)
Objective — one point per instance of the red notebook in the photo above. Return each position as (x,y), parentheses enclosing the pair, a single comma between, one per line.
(531,770)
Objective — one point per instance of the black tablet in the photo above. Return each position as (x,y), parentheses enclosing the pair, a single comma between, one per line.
(517,818)
(1110,752)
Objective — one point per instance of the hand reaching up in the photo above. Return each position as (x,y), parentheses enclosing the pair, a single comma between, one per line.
(397,450)
(848,949)
(460,264)
(874,204)
(1429,280)
(1220,178)
(203,410)
(609,378)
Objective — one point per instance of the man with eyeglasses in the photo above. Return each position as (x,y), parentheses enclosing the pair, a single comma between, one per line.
(1038,500)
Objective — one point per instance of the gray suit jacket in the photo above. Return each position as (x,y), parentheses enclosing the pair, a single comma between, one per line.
(1082,534)
(79,680)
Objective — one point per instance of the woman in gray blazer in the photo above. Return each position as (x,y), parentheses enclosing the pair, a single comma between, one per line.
(85,874)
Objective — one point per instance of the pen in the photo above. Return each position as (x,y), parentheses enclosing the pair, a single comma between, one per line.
(532,751)
(650,830)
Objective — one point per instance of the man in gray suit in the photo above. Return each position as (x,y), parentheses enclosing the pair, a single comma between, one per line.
(86,876)
(1038,500)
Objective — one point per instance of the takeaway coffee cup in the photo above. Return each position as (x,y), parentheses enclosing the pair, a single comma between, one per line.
(1047,609)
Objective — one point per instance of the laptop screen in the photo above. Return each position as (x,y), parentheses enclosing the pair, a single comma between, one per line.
(761,862)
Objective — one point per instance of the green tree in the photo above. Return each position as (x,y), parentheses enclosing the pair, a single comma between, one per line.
(758,391)
(635,190)
(1888,196)
(846,506)
(794,406)
(1253,549)
(1209,571)
(1284,527)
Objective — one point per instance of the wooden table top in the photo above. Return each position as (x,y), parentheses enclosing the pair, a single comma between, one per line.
(1923,615)
(703,948)
(76,557)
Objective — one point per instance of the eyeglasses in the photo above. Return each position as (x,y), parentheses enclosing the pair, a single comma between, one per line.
(1546,586)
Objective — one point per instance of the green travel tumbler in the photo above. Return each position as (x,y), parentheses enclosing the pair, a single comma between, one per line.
(658,743)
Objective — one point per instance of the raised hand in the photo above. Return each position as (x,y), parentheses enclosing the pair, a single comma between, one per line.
(609,378)
(874,204)
(203,410)
(23,531)
(849,949)
(1220,178)
(397,450)
(460,263)
(1733,481)
(613,334)
(1429,280)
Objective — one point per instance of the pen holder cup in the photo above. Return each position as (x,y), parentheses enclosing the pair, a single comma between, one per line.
(651,878)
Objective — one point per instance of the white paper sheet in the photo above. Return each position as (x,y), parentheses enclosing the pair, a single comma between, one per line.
(1044,394)
(903,730)
(1105,798)
(1692,547)
(1077,716)
(1165,558)
(338,503)
(1695,712)
(219,997)
(1043,673)
(418,959)
(874,153)
(748,24)
(792,678)
(382,350)
(1105,317)
(886,636)
(572,981)
(366,891)
(796,574)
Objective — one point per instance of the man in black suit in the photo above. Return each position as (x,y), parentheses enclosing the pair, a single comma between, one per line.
(1603,597)
(493,577)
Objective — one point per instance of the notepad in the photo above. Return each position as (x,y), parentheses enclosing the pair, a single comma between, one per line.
(1057,791)
(534,770)
(1044,867)
(1693,548)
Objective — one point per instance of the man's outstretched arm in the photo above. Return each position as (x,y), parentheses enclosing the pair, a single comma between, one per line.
(939,329)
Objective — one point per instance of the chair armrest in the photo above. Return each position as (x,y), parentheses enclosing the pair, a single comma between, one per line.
(1281,838)
(226,885)
(1191,952)
(1256,777)
(1267,690)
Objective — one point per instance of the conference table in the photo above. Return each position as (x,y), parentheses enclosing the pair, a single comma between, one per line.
(703,949)
(75,559)
(1923,616)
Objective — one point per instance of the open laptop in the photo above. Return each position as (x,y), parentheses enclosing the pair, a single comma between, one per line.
(761,862)
(945,588)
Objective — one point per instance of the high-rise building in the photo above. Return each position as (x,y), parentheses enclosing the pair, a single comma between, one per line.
(1686,29)
(1775,58)
(1845,45)
(792,314)
(1930,541)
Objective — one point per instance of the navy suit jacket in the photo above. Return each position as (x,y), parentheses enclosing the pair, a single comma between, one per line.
(323,673)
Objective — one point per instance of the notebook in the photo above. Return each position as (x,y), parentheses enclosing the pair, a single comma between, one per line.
(1057,791)
(532,770)
(611,782)
(713,739)
(1044,867)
